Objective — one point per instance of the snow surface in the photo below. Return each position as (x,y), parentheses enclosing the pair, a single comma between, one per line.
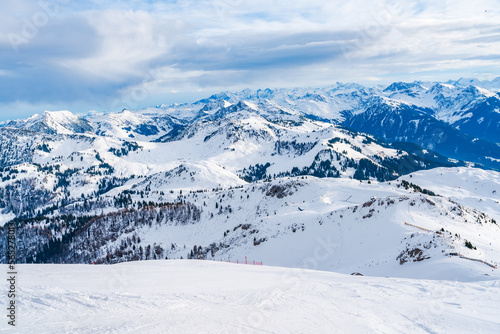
(473,187)
(192,296)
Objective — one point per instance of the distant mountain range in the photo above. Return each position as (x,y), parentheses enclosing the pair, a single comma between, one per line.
(460,120)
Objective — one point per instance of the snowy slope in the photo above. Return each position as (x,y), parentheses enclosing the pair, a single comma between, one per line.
(379,229)
(214,297)
(52,122)
(473,187)
(191,176)
(138,125)
(282,223)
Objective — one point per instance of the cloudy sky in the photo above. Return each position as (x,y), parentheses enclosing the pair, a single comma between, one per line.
(108,55)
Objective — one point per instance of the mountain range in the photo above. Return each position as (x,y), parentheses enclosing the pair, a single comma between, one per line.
(264,173)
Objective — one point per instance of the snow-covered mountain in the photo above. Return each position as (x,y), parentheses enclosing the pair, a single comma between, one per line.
(128,125)
(53,122)
(265,174)
(459,119)
(493,85)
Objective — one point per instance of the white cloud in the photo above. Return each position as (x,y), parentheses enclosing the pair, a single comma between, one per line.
(129,42)
(188,46)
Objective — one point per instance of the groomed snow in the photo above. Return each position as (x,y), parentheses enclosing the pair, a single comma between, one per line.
(191,296)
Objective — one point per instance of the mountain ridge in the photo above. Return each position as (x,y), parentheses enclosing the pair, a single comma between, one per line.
(455,115)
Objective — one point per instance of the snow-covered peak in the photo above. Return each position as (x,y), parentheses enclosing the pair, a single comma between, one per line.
(61,121)
(493,85)
(192,176)
(52,122)
(405,87)
(487,93)
(145,125)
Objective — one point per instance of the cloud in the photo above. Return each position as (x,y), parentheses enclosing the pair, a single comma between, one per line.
(101,53)
(130,41)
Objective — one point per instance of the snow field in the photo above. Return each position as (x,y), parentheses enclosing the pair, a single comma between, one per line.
(191,296)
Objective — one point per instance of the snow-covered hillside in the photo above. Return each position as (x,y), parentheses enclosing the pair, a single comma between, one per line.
(472,187)
(240,145)
(379,229)
(213,297)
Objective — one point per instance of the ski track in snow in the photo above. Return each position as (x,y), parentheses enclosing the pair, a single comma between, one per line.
(175,296)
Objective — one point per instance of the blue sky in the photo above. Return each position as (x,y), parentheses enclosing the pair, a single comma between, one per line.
(110,55)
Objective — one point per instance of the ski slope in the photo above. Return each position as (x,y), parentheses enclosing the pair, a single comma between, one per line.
(473,187)
(361,225)
(192,296)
